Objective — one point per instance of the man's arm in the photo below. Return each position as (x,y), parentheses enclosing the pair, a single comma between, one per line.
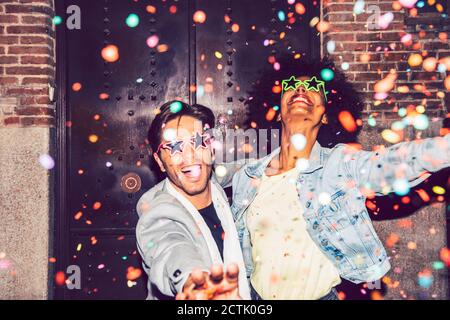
(412,161)
(167,249)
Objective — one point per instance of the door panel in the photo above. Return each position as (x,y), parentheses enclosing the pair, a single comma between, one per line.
(104,162)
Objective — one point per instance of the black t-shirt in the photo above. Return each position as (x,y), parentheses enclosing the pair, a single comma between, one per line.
(209,214)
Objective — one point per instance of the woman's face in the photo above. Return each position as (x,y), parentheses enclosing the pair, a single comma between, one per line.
(304,106)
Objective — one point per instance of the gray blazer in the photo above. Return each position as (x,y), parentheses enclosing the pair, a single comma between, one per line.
(180,247)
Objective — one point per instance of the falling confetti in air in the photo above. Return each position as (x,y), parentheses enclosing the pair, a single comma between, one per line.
(110,53)
(176,107)
(132,20)
(46,161)
(385,20)
(199,16)
(407,3)
(347,121)
(220,171)
(298,140)
(327,74)
(57,20)
(152,41)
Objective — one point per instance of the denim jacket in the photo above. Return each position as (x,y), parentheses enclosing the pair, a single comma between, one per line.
(341,226)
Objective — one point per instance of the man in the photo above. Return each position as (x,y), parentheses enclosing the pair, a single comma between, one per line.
(186,226)
(300,212)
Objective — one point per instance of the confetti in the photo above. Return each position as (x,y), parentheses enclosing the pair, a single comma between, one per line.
(199,16)
(110,53)
(133,273)
(324,198)
(385,20)
(298,140)
(60,278)
(152,41)
(46,161)
(76,86)
(358,8)
(401,187)
(347,121)
(221,171)
(407,3)
(445,256)
(425,279)
(132,20)
(302,164)
(57,20)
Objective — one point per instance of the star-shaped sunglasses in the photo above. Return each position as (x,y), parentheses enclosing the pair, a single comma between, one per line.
(177,146)
(312,84)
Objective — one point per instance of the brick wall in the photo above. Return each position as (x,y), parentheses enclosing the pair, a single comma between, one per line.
(27,62)
(371,53)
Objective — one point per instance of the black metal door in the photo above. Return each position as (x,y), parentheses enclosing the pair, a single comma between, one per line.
(104,110)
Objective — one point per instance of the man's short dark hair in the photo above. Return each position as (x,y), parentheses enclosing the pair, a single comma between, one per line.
(176,109)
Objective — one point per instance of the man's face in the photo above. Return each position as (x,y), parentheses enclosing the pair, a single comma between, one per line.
(302,105)
(185,154)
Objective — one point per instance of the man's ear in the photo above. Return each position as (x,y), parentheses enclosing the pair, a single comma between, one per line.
(324,119)
(159,162)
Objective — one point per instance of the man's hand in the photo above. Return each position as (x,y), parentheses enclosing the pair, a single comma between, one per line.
(214,286)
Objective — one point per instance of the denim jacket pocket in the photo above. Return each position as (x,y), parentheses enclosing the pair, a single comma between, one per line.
(336,212)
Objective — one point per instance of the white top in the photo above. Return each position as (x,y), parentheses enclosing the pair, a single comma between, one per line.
(288,264)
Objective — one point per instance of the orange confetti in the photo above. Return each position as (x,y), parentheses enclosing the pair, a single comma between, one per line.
(415,60)
(103,96)
(445,256)
(199,16)
(429,64)
(405,223)
(300,8)
(276,89)
(447,82)
(93,138)
(97,205)
(151,9)
(376,295)
(347,121)
(78,215)
(423,195)
(110,53)
(76,86)
(270,114)
(60,278)
(372,206)
(133,273)
(173,9)
(392,240)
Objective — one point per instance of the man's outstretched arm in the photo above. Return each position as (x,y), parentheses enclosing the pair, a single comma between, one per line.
(168,250)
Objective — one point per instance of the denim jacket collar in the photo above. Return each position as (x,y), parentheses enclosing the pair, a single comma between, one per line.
(256,170)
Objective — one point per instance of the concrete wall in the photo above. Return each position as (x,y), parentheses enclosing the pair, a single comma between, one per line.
(25,207)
